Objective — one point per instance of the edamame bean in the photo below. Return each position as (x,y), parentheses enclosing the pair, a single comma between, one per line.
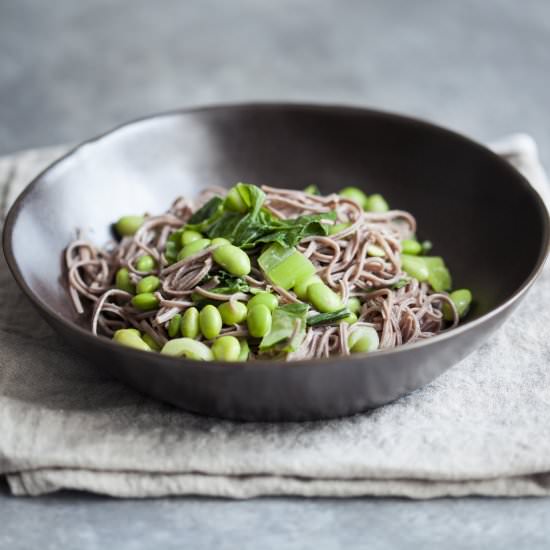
(377,203)
(122,280)
(462,300)
(440,279)
(189,235)
(375,251)
(210,322)
(415,266)
(312,190)
(324,299)
(336,228)
(265,298)
(145,301)
(232,312)
(190,323)
(174,326)
(148,284)
(354,305)
(128,225)
(151,342)
(219,241)
(187,347)
(300,288)
(232,259)
(410,246)
(193,248)
(226,348)
(363,340)
(234,201)
(145,263)
(356,195)
(131,338)
(350,319)
(259,320)
(245,350)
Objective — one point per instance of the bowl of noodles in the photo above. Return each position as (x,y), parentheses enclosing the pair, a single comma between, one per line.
(277,262)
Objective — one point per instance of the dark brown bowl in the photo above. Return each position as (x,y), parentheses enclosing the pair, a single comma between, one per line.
(482,215)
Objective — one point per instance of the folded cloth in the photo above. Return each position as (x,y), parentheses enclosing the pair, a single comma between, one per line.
(482,428)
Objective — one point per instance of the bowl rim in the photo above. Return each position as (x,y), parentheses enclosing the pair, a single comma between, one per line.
(19,204)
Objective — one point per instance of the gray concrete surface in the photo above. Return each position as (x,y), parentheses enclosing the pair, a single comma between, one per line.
(71,69)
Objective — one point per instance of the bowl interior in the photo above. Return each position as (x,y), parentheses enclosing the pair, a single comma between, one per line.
(479,213)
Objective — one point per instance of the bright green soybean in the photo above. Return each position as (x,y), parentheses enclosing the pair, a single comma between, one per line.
(123,282)
(210,322)
(354,305)
(226,348)
(377,203)
(265,298)
(375,251)
(234,201)
(245,350)
(415,266)
(350,319)
(462,300)
(148,284)
(190,323)
(145,301)
(174,325)
(187,347)
(131,338)
(193,248)
(363,340)
(258,320)
(312,190)
(323,298)
(356,195)
(219,241)
(410,246)
(128,225)
(145,263)
(189,236)
(232,259)
(300,288)
(232,312)
(440,279)
(151,342)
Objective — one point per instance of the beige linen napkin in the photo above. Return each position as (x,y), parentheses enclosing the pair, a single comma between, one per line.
(481,428)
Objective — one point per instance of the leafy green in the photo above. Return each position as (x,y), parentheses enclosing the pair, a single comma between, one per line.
(258,225)
(227,283)
(327,318)
(401,283)
(288,329)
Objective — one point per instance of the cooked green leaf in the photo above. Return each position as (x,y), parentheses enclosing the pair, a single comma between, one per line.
(288,329)
(327,318)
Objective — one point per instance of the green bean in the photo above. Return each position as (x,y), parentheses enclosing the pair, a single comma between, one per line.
(375,251)
(259,320)
(128,225)
(174,326)
(210,322)
(189,235)
(245,350)
(415,266)
(145,263)
(187,347)
(190,323)
(410,246)
(232,312)
(377,203)
(324,299)
(219,241)
(462,300)
(226,348)
(148,284)
(145,301)
(232,259)
(131,338)
(151,342)
(300,288)
(265,298)
(193,248)
(122,280)
(336,228)
(363,339)
(355,194)
(354,305)
(234,201)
